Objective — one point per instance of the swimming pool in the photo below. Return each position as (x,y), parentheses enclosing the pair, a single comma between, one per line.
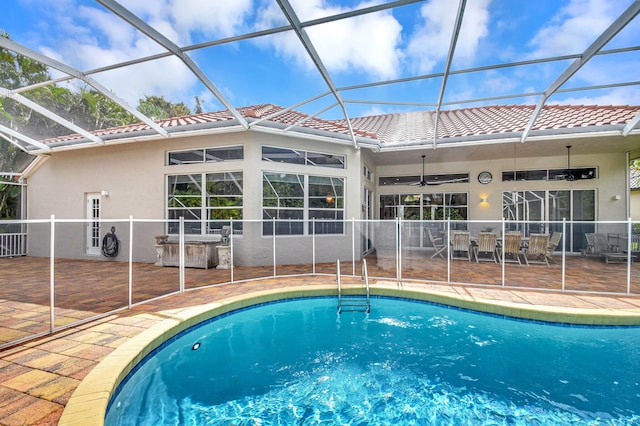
(298,362)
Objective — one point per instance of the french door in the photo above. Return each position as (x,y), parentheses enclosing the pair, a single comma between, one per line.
(93,224)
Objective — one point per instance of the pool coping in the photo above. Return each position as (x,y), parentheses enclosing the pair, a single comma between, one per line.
(89,402)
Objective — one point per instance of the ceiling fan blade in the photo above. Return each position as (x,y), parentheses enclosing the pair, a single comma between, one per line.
(440,182)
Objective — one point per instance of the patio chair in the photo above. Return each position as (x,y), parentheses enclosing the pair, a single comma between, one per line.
(438,244)
(511,246)
(554,241)
(537,250)
(461,248)
(487,246)
(598,244)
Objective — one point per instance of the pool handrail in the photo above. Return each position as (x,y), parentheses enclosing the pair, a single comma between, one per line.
(339,285)
(365,276)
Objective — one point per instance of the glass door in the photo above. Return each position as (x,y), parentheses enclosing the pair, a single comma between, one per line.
(93,224)
(576,206)
(527,209)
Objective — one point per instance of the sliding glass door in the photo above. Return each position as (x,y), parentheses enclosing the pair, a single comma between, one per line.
(532,210)
(576,206)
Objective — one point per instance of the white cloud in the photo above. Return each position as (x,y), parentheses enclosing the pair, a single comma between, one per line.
(212,18)
(181,20)
(574,28)
(378,110)
(430,43)
(114,41)
(617,96)
(366,44)
(91,37)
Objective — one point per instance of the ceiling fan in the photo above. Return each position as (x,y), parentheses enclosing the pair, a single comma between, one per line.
(567,175)
(570,174)
(424,182)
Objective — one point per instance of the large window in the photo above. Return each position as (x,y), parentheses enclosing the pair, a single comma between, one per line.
(306,158)
(224,200)
(205,155)
(292,199)
(550,174)
(429,179)
(205,208)
(432,206)
(326,204)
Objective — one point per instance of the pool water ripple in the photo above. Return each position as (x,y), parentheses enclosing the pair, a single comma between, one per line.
(405,363)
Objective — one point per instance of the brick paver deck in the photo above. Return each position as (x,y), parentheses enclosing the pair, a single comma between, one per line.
(37,378)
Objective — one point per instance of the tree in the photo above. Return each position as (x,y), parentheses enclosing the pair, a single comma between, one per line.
(101,112)
(158,108)
(9,200)
(19,71)
(198,109)
(83,106)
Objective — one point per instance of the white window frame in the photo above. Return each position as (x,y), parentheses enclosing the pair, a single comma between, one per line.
(305,209)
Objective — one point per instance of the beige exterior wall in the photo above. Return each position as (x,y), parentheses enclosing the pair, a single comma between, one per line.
(611,182)
(135,177)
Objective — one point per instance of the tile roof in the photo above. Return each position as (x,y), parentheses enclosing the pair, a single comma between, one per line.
(223,118)
(493,121)
(490,122)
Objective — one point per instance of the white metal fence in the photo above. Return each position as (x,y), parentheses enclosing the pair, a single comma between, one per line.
(397,250)
(13,244)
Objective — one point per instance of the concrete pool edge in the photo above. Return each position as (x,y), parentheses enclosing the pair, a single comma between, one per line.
(89,402)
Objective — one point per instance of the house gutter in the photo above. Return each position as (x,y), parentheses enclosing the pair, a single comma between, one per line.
(312,134)
(360,142)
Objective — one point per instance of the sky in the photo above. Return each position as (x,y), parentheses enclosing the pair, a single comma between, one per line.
(399,43)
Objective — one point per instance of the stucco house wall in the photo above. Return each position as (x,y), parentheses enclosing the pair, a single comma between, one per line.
(134,175)
(611,182)
(131,171)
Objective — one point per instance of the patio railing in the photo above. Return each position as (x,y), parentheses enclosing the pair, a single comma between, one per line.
(13,244)
(57,281)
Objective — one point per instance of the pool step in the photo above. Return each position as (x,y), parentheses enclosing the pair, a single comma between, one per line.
(354,304)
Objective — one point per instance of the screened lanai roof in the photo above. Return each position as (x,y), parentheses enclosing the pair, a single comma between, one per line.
(327,63)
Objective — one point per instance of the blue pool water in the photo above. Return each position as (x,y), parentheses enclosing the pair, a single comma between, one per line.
(406,363)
